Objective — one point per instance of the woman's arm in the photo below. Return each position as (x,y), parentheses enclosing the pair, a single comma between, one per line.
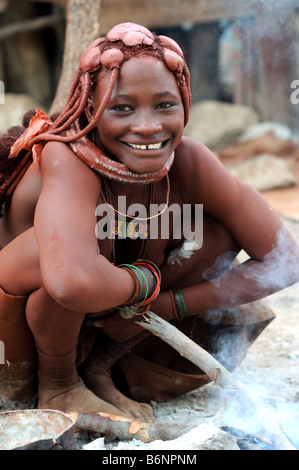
(73,271)
(273,253)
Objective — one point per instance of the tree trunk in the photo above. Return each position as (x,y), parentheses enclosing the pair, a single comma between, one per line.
(83,27)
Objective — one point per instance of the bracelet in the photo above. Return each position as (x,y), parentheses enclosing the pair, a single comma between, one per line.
(141,284)
(156,276)
(147,279)
(178,304)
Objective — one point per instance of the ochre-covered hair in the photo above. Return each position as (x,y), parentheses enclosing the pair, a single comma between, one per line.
(104,54)
(122,42)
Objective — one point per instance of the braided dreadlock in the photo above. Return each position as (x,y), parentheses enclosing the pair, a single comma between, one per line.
(104,54)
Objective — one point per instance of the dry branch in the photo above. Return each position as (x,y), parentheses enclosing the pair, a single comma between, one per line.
(201,358)
(115,427)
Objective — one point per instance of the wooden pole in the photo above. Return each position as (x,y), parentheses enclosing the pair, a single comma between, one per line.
(83,21)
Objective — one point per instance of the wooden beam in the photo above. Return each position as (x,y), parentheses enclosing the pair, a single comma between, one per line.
(161,13)
(158,13)
(27,26)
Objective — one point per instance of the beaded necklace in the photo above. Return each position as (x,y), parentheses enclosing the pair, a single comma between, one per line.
(123,229)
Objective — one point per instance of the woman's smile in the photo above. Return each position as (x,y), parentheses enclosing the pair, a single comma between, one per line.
(145,146)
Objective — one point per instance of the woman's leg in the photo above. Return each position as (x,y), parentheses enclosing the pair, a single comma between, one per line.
(18,370)
(96,375)
(55,331)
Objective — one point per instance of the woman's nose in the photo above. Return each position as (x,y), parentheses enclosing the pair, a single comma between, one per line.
(146,124)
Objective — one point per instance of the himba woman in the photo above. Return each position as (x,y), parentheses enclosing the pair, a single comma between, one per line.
(80,263)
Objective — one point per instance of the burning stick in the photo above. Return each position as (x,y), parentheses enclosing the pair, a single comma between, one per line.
(217,373)
(115,427)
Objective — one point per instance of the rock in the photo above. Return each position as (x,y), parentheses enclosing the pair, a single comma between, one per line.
(217,124)
(266,143)
(13,110)
(264,172)
(260,129)
(97,444)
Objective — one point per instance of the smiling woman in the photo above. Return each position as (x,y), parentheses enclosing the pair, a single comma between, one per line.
(116,147)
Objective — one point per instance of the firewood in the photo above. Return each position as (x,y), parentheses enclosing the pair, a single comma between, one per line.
(116,427)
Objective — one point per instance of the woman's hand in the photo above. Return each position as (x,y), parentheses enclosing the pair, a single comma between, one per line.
(118,328)
(115,326)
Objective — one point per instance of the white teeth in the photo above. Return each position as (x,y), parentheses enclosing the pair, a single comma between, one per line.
(146,147)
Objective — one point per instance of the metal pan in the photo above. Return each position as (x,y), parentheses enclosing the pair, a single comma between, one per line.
(36,430)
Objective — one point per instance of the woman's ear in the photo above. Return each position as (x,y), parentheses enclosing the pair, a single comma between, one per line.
(89,110)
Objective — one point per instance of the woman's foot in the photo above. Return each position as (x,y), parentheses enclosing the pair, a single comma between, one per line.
(78,398)
(102,385)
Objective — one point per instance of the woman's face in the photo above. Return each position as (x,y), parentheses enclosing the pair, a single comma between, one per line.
(144,120)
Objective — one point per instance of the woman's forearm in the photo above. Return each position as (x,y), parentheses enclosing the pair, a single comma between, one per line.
(96,289)
(244,283)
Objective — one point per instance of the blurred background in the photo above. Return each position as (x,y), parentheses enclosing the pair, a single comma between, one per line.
(243,58)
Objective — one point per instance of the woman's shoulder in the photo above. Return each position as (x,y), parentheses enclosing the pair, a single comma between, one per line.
(56,148)
(58,155)
(59,162)
(193,152)
(193,161)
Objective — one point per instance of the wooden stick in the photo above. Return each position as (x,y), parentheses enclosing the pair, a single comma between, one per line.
(115,427)
(190,350)
(217,373)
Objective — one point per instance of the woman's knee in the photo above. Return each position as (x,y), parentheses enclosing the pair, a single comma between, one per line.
(19,265)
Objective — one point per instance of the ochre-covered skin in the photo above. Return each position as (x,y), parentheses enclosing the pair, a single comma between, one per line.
(50,249)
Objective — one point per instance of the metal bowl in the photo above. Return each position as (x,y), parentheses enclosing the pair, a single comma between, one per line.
(36,430)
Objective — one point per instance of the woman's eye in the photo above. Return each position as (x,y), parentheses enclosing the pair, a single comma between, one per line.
(165,105)
(122,107)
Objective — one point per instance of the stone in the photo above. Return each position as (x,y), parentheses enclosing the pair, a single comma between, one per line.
(217,124)
(13,110)
(262,128)
(264,172)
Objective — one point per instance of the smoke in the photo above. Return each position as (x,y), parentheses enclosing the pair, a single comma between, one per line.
(280,267)
(276,421)
(269,388)
(278,270)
